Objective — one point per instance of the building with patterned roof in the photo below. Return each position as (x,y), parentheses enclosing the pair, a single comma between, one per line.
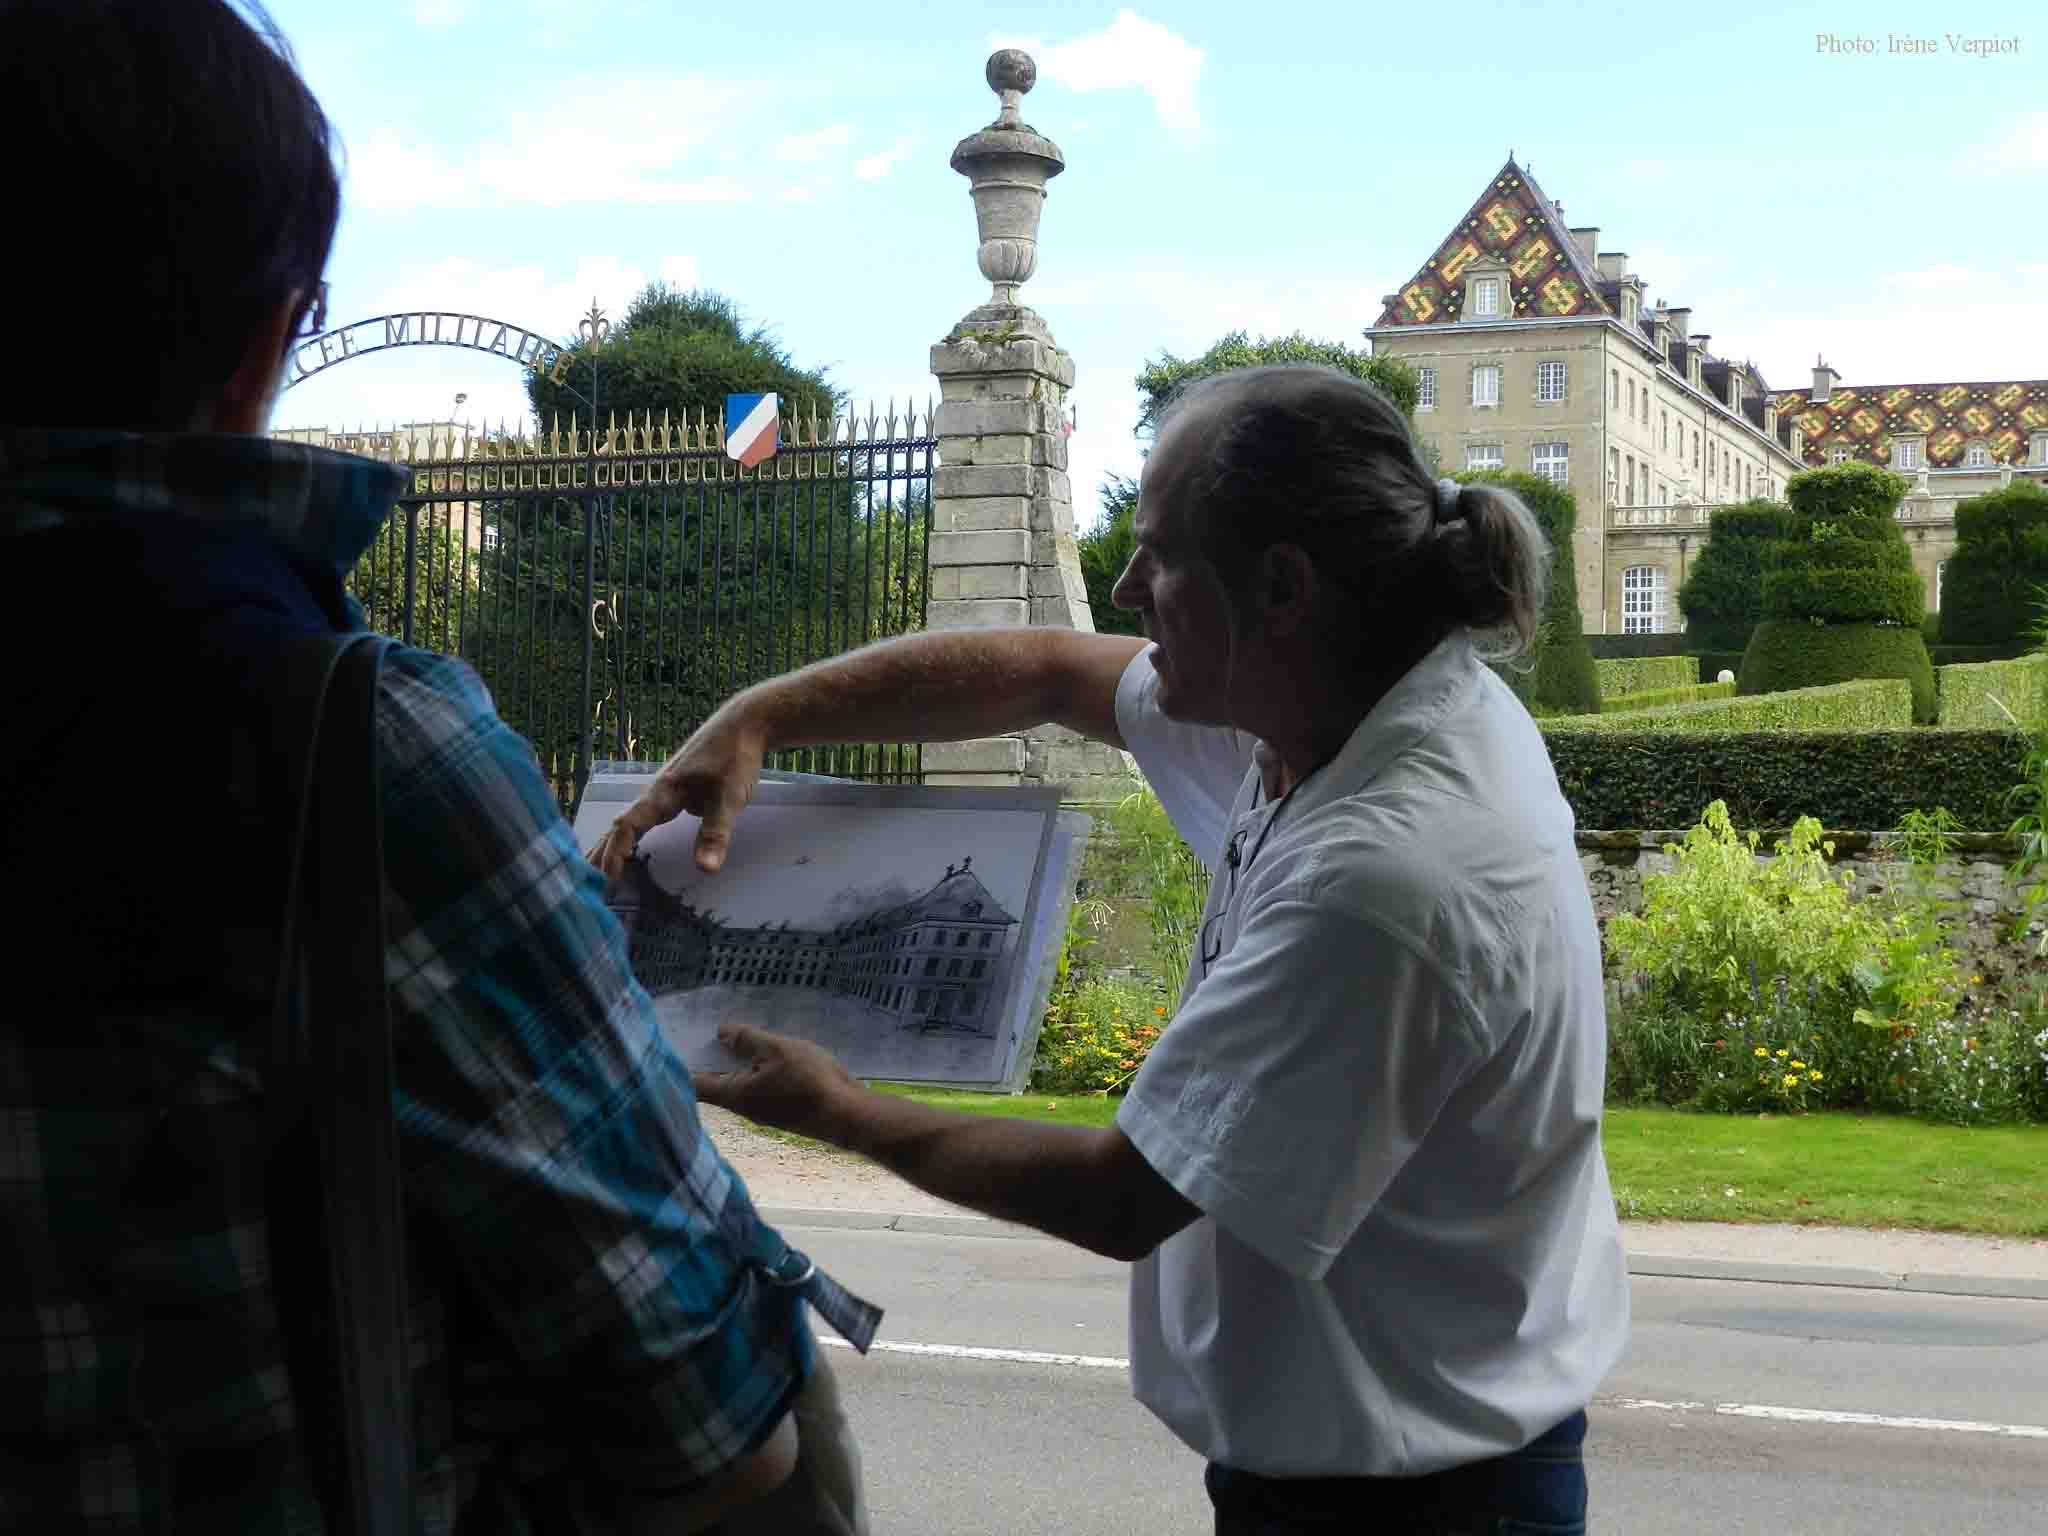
(1537,352)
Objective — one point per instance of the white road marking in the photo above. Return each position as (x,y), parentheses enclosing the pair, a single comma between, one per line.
(1655,1405)
(1829,1416)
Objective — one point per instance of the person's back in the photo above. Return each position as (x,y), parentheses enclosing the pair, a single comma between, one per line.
(601,1334)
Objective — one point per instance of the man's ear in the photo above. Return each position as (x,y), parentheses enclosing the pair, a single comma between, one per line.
(245,400)
(1288,588)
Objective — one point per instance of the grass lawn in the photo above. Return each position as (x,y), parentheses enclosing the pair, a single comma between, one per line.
(1839,1170)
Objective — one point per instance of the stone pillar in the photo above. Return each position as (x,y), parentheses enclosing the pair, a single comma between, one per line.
(1002,547)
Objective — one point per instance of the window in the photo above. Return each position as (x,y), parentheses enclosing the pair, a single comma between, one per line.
(2039,448)
(1940,571)
(1486,296)
(1664,424)
(1550,381)
(1646,405)
(1695,447)
(1663,494)
(1628,479)
(1977,457)
(987,939)
(1425,389)
(1631,392)
(1552,461)
(1613,472)
(931,966)
(1486,384)
(1614,386)
(1484,456)
(1838,455)
(1710,461)
(1642,600)
(1906,453)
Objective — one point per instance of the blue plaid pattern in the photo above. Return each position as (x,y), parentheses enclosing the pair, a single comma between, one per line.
(596,1307)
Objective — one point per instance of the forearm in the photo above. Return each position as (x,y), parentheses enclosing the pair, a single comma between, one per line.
(950,685)
(1043,1176)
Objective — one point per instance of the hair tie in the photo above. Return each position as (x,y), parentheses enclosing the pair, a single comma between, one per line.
(1447,491)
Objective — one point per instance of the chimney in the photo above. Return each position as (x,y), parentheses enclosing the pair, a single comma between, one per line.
(1587,239)
(1824,381)
(1613,265)
(1557,208)
(1681,323)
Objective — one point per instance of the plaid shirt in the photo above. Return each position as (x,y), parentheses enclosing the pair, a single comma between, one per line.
(595,1306)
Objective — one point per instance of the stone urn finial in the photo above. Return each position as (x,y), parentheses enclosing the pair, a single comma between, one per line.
(1007,165)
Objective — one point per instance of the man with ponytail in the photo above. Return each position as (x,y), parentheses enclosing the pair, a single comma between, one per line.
(1376,1272)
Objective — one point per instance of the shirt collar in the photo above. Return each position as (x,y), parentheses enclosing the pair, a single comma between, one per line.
(319,505)
(1404,715)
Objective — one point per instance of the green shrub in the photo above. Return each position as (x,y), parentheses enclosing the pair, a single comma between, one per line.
(1612,647)
(1930,631)
(1637,674)
(1993,695)
(1723,595)
(1656,698)
(1560,673)
(1714,663)
(1786,654)
(1097,1034)
(1968,655)
(1991,591)
(1863,780)
(1874,704)
(1176,884)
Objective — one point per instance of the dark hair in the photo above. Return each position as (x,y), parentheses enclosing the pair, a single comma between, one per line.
(1305,455)
(179,183)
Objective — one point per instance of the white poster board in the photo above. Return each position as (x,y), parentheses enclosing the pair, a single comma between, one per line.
(912,932)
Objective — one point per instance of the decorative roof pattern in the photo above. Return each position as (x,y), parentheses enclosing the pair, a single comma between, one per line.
(1515,222)
(1865,419)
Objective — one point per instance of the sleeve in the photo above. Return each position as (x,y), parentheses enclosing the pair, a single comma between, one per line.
(550,1138)
(1297,1081)
(1194,769)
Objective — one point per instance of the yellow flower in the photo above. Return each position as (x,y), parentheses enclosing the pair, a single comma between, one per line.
(1813,1077)
(1798,1066)
(1761,1051)
(1784,1053)
(1791,1079)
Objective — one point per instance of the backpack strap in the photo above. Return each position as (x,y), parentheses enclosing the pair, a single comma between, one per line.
(331,1036)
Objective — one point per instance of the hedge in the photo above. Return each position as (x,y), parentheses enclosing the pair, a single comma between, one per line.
(1792,653)
(1611,647)
(1991,591)
(1714,663)
(1966,655)
(1722,598)
(1870,704)
(1634,674)
(1559,674)
(1654,698)
(1856,781)
(1963,695)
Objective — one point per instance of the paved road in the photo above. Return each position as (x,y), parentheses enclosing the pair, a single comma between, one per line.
(1741,1406)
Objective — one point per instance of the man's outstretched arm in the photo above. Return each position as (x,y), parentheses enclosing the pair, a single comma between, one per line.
(947,685)
(1088,1187)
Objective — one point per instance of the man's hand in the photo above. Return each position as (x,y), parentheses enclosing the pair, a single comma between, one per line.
(792,1085)
(712,777)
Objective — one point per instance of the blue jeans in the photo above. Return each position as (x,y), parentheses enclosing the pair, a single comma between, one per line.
(1539,1490)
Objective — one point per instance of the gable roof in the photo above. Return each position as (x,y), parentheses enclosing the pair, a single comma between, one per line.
(1864,418)
(1514,221)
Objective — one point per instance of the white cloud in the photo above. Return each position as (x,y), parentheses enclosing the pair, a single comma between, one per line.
(812,146)
(2025,143)
(874,167)
(631,154)
(443,13)
(1934,279)
(796,194)
(678,271)
(1131,52)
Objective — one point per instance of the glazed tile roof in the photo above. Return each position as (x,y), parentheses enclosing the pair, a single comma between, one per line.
(1865,418)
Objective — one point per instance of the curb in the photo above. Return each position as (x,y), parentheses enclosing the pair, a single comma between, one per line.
(1760,1272)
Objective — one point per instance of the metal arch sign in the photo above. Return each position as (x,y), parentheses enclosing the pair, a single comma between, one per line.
(427,328)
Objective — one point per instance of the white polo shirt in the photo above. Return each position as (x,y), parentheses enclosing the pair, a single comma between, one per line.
(1383,1089)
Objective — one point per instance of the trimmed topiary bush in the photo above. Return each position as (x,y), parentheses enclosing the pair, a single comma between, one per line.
(1723,595)
(1634,674)
(1868,704)
(1841,600)
(1978,697)
(1657,698)
(1559,676)
(1616,647)
(1991,593)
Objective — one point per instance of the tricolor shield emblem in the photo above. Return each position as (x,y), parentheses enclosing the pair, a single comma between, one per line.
(750,428)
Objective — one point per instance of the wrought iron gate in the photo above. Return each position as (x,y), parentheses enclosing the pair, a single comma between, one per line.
(612,588)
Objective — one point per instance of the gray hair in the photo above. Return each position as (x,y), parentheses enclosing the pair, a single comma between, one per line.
(1310,456)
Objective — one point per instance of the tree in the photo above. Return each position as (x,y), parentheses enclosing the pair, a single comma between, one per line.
(1992,591)
(1841,599)
(1106,550)
(1557,676)
(1723,595)
(1160,380)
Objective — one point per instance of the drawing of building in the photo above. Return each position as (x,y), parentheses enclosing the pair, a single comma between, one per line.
(932,963)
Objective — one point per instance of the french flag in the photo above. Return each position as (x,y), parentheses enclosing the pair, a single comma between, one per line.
(750,428)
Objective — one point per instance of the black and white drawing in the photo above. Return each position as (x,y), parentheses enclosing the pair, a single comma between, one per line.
(906,930)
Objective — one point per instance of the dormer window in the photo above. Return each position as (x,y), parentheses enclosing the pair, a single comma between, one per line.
(1838,455)
(2037,448)
(1485,297)
(1977,456)
(1908,453)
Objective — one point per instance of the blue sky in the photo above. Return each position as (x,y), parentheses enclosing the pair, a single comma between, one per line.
(1229,166)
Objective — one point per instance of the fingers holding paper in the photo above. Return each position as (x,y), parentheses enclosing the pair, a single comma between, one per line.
(790,1084)
(712,777)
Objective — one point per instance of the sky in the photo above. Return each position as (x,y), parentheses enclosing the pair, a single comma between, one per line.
(1861,182)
